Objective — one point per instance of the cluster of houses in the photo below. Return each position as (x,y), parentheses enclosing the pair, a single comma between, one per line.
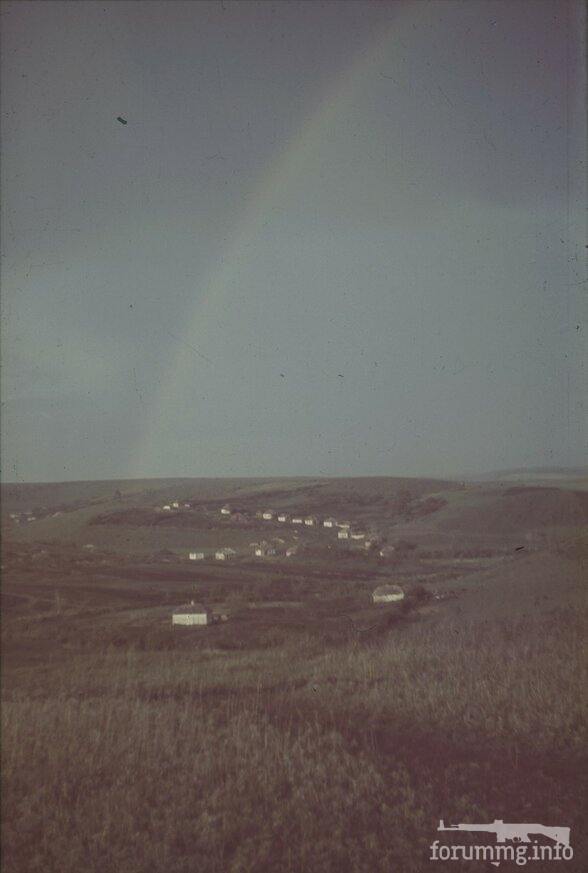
(199,615)
(220,555)
(345,531)
(260,550)
(264,549)
(174,504)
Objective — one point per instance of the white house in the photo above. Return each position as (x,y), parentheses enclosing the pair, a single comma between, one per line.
(282,516)
(330,522)
(344,525)
(343,534)
(193,614)
(388,594)
(176,504)
(268,514)
(167,507)
(357,535)
(196,556)
(225,554)
(297,519)
(226,510)
(310,520)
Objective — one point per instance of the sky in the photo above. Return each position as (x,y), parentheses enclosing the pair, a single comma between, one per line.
(340,238)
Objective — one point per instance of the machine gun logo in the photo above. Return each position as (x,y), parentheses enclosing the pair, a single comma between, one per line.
(518,833)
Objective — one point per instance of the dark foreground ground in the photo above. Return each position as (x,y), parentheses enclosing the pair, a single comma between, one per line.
(312,730)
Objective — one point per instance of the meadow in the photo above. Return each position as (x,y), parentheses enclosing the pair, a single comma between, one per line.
(295,758)
(313,734)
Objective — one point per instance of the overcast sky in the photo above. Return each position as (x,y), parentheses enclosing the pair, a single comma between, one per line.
(335,238)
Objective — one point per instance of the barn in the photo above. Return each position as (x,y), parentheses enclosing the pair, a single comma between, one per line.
(192,614)
(388,594)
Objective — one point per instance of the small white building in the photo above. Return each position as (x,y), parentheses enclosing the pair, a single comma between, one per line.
(330,522)
(225,554)
(166,507)
(291,551)
(297,519)
(344,525)
(283,517)
(268,514)
(388,594)
(196,556)
(357,535)
(193,614)
(226,510)
(176,504)
(343,534)
(310,520)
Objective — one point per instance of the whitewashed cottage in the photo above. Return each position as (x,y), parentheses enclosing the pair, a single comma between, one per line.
(388,594)
(192,614)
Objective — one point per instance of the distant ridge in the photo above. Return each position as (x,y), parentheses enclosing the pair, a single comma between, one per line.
(530,473)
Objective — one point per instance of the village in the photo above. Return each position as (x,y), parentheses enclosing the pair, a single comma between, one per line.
(276,546)
(199,615)
(242,556)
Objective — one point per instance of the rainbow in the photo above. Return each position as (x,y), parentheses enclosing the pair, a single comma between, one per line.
(279,179)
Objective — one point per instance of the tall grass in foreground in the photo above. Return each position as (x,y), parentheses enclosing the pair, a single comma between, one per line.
(296,759)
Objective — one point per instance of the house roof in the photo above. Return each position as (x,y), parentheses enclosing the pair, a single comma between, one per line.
(193,609)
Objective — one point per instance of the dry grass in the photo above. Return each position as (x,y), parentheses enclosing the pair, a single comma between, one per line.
(301,758)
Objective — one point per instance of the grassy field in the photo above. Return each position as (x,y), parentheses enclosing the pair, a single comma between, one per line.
(312,731)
